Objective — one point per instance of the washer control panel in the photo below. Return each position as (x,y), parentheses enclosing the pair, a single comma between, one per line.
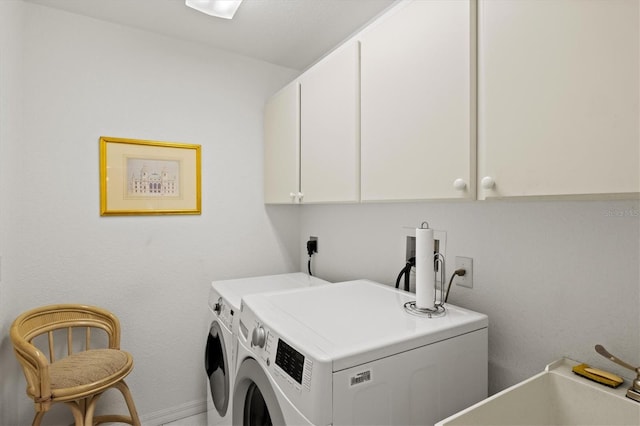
(287,363)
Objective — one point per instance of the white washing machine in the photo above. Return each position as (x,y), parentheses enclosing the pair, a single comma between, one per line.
(349,354)
(219,360)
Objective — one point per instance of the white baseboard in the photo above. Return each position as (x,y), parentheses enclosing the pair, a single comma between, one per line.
(171,414)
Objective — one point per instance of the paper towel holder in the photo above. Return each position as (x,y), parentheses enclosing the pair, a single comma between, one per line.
(438,309)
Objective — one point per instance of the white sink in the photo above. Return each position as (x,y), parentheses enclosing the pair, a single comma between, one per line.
(556,396)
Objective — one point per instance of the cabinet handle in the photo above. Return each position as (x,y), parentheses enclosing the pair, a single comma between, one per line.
(488,182)
(300,196)
(292,194)
(459,184)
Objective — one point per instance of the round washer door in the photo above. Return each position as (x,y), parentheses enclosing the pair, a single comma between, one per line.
(217,366)
(254,400)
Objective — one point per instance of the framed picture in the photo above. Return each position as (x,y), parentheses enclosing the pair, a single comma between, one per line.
(139,177)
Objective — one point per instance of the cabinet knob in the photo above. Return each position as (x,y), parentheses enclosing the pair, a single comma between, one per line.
(487,182)
(459,184)
(297,196)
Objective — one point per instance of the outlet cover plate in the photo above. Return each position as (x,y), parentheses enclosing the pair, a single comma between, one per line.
(465,263)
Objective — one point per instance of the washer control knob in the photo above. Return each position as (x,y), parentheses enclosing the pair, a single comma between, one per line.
(217,308)
(258,337)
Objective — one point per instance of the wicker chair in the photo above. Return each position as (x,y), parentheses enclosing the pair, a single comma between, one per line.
(83,374)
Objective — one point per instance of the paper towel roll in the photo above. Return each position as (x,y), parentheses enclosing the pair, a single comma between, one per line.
(425,275)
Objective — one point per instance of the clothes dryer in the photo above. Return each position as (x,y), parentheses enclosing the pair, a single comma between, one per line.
(349,354)
(224,305)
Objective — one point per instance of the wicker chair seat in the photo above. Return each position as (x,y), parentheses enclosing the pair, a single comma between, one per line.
(93,369)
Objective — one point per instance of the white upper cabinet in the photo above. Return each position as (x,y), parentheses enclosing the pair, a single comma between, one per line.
(391,115)
(418,102)
(558,109)
(330,128)
(312,134)
(282,146)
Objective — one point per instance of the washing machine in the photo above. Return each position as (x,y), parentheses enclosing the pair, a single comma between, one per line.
(218,360)
(221,342)
(351,354)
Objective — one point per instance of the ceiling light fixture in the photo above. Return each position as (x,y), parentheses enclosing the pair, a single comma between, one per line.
(219,8)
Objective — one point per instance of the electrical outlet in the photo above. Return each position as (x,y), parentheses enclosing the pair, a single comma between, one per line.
(465,263)
(312,245)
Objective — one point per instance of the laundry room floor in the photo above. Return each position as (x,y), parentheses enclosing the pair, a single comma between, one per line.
(197,420)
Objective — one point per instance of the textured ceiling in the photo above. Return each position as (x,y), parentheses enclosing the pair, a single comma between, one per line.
(290,33)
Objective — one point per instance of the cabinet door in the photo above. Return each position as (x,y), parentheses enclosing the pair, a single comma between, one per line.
(282,146)
(558,97)
(330,132)
(418,102)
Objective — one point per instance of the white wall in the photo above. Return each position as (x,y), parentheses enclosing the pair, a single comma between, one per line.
(555,278)
(11,13)
(77,79)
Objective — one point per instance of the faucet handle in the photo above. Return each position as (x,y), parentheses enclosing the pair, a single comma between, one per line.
(634,391)
(602,351)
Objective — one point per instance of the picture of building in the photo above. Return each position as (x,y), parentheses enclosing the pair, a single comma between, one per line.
(152,178)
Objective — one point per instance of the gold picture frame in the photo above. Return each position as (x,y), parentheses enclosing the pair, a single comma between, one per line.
(141,177)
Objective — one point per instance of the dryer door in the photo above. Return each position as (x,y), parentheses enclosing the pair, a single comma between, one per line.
(217,367)
(254,400)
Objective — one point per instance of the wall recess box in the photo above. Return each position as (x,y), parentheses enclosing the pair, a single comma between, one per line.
(410,248)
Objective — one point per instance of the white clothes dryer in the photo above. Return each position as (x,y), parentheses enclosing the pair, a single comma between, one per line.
(219,360)
(349,354)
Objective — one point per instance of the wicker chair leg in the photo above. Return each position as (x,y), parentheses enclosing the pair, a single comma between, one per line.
(37,418)
(132,419)
(124,389)
(90,408)
(77,409)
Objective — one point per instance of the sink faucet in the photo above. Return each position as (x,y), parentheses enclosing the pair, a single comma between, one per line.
(634,390)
